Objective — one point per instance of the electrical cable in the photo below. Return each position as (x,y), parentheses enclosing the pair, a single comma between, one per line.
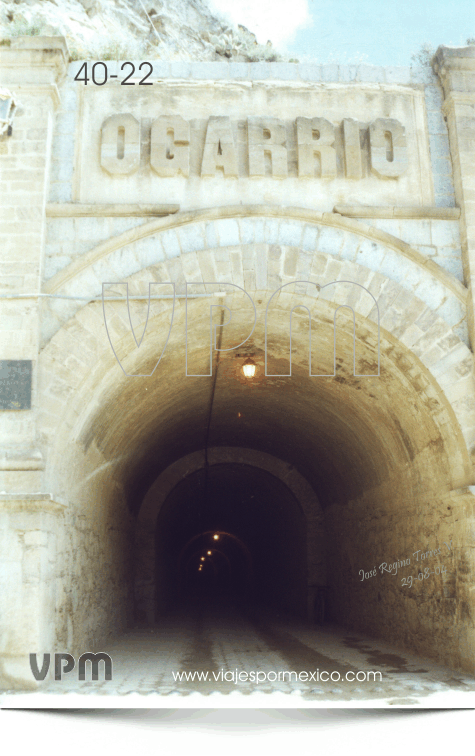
(204,498)
(100,299)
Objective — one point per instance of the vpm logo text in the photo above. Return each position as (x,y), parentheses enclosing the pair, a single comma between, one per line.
(334,288)
(65,663)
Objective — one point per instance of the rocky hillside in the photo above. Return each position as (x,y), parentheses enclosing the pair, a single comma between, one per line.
(119,29)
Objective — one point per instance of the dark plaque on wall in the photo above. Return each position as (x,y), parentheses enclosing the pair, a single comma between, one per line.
(15,384)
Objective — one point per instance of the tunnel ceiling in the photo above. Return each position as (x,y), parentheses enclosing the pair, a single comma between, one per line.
(345,434)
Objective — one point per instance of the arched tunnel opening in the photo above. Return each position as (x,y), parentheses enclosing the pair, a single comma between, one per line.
(310,482)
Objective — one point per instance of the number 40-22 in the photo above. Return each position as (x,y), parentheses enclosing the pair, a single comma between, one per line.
(103,73)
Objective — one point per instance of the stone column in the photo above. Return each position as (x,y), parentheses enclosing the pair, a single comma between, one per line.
(29,535)
(456,69)
(458,531)
(30,69)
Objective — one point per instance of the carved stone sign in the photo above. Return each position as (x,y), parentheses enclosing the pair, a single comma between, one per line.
(209,143)
(381,145)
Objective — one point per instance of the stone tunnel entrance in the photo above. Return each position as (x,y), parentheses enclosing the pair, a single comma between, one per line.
(310,482)
(338,478)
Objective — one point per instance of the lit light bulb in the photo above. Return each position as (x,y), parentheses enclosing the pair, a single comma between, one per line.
(216,536)
(249,368)
(209,553)
(202,559)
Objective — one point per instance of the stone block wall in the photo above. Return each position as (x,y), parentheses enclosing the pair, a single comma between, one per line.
(30,582)
(432,613)
(24,181)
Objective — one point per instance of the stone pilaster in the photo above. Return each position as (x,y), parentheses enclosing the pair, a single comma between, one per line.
(456,69)
(30,532)
(30,69)
(458,530)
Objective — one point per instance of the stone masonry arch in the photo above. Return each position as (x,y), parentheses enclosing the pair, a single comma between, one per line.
(80,345)
(231,228)
(94,452)
(400,278)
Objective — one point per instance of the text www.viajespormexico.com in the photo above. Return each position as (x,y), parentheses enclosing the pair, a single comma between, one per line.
(259,676)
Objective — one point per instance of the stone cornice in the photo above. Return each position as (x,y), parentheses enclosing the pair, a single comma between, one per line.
(462,58)
(22,461)
(31,502)
(34,61)
(111,210)
(372,211)
(456,68)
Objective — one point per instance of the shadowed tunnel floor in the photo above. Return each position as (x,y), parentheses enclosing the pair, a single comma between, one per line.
(206,635)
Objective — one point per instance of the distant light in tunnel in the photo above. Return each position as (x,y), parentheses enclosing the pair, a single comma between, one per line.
(202,559)
(209,553)
(216,536)
(249,368)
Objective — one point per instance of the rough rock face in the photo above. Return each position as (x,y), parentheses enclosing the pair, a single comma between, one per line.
(112,29)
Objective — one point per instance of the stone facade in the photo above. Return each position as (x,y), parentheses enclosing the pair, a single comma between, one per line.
(237,179)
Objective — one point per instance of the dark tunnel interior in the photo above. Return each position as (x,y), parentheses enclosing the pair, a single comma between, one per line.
(232,532)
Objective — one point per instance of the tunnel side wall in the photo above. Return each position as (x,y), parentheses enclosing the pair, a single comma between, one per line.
(381,539)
